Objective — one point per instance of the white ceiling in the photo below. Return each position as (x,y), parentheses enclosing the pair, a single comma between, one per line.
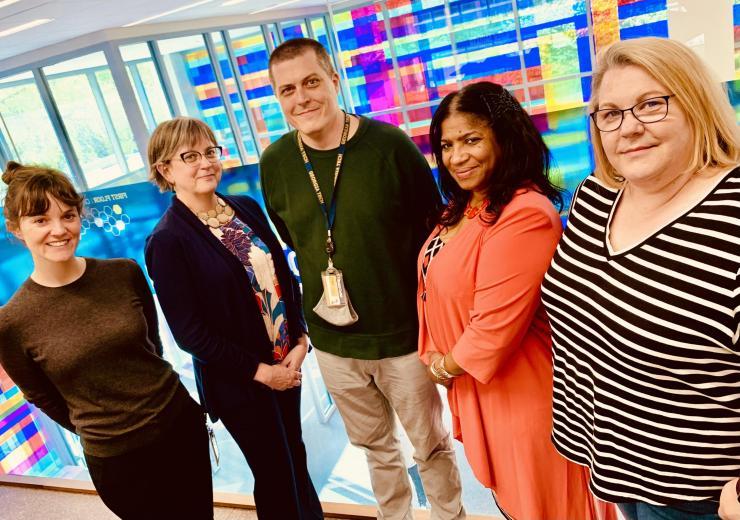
(77,18)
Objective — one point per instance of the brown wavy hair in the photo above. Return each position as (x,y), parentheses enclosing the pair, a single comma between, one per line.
(30,188)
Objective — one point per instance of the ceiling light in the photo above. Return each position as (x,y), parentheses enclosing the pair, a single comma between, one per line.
(173,11)
(24,26)
(6,3)
(232,2)
(282,4)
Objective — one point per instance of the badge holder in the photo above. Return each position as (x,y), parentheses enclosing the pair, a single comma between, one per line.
(334,305)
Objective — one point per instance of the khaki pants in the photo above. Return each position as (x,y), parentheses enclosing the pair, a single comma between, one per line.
(366,393)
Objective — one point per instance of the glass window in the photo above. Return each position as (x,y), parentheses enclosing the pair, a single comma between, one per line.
(196,92)
(272,34)
(318,26)
(566,133)
(294,29)
(251,58)
(93,115)
(736,23)
(147,86)
(423,49)
(234,98)
(555,38)
(485,41)
(26,131)
(643,18)
(419,121)
(365,55)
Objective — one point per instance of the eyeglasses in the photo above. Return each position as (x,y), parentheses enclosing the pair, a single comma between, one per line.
(650,110)
(212,154)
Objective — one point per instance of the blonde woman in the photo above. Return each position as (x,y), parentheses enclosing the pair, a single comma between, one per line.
(642,293)
(232,302)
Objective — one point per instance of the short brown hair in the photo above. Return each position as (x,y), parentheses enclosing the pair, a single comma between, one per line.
(168,137)
(296,47)
(29,190)
(716,142)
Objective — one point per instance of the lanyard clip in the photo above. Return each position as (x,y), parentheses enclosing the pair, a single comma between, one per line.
(329,244)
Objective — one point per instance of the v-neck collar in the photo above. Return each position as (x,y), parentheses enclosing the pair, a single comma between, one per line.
(611,253)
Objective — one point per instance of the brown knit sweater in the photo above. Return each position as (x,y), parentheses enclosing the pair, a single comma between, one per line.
(88,354)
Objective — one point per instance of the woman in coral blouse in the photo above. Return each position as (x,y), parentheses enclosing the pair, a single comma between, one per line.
(483,331)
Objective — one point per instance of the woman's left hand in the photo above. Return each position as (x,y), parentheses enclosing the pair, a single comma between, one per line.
(434,356)
(729,507)
(294,358)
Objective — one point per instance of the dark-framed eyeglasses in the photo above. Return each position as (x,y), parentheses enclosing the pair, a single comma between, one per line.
(650,110)
(212,154)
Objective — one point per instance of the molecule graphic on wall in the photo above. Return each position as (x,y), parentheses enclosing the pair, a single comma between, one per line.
(110,219)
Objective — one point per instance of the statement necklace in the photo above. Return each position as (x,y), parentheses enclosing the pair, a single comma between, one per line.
(472,211)
(216,218)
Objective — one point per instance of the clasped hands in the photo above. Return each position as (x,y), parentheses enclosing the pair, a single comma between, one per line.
(448,364)
(288,373)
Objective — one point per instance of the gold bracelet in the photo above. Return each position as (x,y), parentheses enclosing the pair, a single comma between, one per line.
(436,372)
(439,370)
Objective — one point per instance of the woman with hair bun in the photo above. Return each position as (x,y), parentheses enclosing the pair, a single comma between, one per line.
(80,339)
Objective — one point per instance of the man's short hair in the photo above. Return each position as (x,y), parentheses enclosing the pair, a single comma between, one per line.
(293,48)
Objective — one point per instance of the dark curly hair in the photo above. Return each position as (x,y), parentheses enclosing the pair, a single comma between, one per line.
(523,160)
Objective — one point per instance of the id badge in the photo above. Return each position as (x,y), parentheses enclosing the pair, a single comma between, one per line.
(333,287)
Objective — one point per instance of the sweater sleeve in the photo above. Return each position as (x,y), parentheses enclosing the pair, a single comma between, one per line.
(421,192)
(266,184)
(513,259)
(35,385)
(149,307)
(173,282)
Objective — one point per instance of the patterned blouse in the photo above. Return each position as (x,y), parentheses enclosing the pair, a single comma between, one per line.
(434,247)
(256,258)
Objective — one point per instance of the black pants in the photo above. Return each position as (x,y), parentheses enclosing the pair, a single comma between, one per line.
(268,432)
(169,478)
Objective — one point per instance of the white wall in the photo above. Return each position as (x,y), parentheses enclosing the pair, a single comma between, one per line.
(707,27)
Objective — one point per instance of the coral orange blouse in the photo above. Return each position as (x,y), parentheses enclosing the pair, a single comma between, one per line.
(483,305)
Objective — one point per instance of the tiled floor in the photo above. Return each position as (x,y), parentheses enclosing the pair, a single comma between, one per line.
(20,503)
(27,503)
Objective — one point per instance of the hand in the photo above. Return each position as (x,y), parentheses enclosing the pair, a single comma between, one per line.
(294,358)
(277,377)
(432,357)
(729,507)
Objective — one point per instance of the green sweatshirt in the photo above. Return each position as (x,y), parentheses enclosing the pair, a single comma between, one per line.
(386,197)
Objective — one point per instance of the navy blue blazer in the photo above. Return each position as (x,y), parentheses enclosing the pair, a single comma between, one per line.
(209,302)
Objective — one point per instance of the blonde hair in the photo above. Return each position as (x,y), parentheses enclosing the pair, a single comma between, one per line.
(168,137)
(702,98)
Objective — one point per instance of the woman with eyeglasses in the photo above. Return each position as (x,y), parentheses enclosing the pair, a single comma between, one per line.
(643,292)
(231,301)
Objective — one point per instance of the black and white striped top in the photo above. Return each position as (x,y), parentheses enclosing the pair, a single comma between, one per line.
(646,351)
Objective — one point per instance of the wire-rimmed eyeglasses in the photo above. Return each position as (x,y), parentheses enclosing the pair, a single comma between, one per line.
(212,154)
(650,110)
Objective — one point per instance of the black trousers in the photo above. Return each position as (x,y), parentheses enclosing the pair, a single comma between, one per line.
(169,478)
(268,431)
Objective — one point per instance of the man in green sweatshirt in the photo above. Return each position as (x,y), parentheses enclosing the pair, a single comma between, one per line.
(368,184)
